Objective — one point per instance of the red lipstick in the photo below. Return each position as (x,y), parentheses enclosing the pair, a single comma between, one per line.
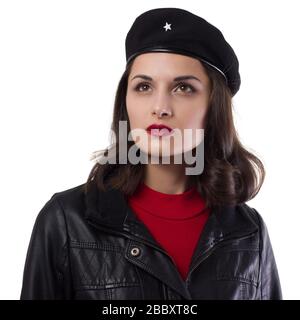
(159,130)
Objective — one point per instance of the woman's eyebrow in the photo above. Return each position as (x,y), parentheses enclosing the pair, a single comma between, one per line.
(180,78)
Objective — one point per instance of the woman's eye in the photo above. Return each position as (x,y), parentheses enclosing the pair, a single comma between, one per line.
(183,85)
(141,85)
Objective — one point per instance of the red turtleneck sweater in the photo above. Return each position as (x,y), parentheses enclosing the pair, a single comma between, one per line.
(175,220)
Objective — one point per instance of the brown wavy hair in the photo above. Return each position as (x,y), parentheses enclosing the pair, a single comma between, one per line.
(232,175)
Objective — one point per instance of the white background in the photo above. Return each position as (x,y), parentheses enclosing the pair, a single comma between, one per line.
(60,63)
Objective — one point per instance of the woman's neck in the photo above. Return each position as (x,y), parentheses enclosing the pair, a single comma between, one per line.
(167,178)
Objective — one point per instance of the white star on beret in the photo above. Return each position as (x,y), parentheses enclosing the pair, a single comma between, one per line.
(167,26)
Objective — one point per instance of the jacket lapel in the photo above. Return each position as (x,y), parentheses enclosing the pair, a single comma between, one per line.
(224,223)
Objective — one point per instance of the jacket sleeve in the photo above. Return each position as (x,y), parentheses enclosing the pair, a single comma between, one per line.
(270,287)
(45,269)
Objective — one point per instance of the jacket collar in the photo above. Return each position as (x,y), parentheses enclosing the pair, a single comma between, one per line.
(109,209)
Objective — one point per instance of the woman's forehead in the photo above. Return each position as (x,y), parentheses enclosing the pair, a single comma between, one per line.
(168,64)
(170,57)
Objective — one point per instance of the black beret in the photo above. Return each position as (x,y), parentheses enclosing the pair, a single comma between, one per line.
(180,31)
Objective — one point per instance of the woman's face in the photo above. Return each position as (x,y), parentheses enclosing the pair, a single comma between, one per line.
(154,96)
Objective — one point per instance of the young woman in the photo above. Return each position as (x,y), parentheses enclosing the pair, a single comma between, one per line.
(154,230)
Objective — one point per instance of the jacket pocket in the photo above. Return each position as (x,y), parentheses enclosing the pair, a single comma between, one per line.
(100,271)
(238,271)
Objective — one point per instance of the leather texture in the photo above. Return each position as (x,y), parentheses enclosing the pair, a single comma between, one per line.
(94,247)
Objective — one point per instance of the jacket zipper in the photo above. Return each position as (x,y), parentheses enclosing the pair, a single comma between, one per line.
(165,291)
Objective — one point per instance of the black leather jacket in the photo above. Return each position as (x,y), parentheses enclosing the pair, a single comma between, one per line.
(93,247)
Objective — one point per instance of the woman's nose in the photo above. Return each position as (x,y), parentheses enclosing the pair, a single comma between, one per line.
(162,112)
(162,106)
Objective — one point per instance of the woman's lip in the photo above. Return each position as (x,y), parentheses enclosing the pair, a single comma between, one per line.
(160,132)
(158,126)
